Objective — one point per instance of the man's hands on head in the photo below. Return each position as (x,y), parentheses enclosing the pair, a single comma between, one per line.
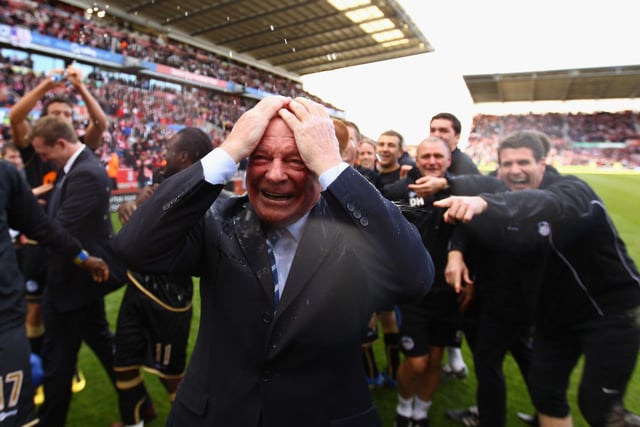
(461,208)
(309,121)
(250,127)
(314,133)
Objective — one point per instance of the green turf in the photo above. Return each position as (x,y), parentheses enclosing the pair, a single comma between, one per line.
(97,405)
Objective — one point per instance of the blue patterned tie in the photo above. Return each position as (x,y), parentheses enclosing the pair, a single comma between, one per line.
(272,239)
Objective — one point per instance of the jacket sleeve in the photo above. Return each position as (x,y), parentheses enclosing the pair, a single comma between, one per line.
(162,234)
(386,243)
(27,216)
(472,185)
(566,200)
(520,217)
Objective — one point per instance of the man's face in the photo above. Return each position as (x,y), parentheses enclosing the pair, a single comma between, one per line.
(519,168)
(367,156)
(433,158)
(280,187)
(388,151)
(443,129)
(13,156)
(171,156)
(60,109)
(48,153)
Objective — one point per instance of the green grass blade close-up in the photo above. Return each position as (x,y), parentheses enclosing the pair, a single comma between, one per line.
(97,405)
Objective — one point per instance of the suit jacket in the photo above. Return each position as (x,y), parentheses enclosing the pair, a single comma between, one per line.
(303,364)
(82,208)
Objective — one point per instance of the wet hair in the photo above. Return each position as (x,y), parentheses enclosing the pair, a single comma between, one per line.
(524,139)
(455,123)
(50,128)
(55,99)
(193,141)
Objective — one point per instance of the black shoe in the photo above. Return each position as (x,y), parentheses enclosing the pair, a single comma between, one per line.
(531,420)
(449,372)
(421,423)
(468,417)
(402,421)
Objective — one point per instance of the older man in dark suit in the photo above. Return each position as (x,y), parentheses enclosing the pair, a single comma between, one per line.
(279,338)
(74,305)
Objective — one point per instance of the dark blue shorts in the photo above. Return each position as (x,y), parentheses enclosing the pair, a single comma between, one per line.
(432,321)
(15,371)
(149,335)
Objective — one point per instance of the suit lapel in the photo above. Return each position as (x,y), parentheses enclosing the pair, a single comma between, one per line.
(251,238)
(61,184)
(54,200)
(316,241)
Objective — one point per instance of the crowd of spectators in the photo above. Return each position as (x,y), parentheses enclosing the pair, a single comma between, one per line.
(69,23)
(596,139)
(144,113)
(141,116)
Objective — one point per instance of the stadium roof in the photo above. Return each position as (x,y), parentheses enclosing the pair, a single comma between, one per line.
(293,37)
(561,85)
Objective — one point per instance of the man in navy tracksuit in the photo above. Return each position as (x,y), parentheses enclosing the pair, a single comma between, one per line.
(586,302)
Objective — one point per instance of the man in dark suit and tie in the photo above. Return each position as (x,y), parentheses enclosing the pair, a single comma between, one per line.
(20,211)
(293,358)
(73,304)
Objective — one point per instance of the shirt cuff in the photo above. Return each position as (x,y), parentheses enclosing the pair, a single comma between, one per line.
(330,175)
(218,167)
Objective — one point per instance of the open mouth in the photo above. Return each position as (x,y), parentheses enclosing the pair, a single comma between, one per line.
(276,196)
(519,181)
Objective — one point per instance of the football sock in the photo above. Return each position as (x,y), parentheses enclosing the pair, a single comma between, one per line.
(421,409)
(455,359)
(404,406)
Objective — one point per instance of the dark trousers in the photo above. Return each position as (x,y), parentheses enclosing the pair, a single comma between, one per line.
(609,345)
(64,333)
(494,338)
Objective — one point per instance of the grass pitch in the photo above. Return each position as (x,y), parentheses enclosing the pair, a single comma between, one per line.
(97,404)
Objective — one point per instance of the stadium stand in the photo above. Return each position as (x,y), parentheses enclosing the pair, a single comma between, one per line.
(600,139)
(144,110)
